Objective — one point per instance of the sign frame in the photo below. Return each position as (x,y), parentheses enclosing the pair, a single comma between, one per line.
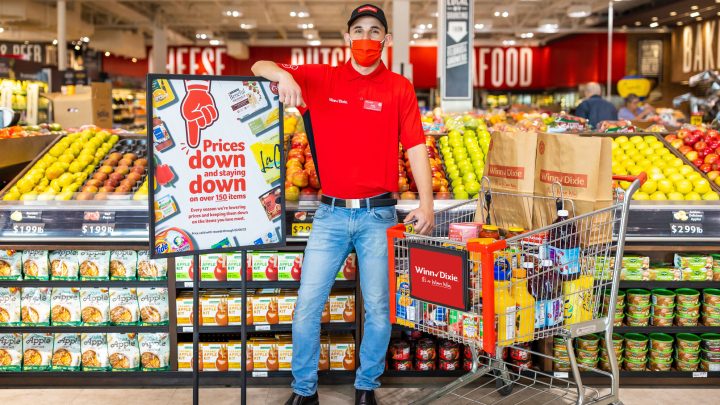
(469,48)
(641,56)
(151,169)
(464,280)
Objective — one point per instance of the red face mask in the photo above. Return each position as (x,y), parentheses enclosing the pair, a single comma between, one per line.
(366,51)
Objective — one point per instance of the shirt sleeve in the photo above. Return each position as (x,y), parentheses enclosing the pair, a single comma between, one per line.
(307,77)
(582,110)
(411,132)
(625,114)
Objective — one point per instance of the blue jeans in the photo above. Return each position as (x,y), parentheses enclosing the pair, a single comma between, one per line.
(335,232)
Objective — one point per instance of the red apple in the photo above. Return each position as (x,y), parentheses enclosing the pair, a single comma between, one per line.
(296,272)
(300,179)
(671,137)
(122,170)
(271,270)
(685,149)
(712,133)
(711,158)
(683,133)
(699,145)
(95,182)
(140,162)
(692,155)
(100,176)
(677,143)
(697,162)
(308,194)
(712,175)
(89,189)
(85,195)
(138,169)
(116,177)
(705,168)
(106,189)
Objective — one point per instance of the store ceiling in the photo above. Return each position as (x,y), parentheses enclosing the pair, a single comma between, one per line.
(281,21)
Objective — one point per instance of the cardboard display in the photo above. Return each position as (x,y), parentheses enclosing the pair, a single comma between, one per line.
(89,105)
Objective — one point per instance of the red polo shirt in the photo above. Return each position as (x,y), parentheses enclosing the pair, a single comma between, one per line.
(357,121)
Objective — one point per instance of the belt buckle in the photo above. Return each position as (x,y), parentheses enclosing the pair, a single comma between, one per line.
(352,203)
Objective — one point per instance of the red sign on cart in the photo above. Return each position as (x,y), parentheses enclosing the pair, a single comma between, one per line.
(439,276)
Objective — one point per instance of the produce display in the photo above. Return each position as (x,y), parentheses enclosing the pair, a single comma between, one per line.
(301,178)
(85,352)
(406,183)
(71,169)
(31,130)
(669,178)
(701,147)
(463,152)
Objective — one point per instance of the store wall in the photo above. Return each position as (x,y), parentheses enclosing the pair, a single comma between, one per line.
(665,90)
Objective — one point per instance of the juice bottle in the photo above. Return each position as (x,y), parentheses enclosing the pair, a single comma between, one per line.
(525,306)
(505,309)
(552,293)
(535,285)
(564,247)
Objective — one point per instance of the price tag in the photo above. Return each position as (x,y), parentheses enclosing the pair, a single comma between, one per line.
(98,229)
(262,327)
(300,229)
(696,119)
(682,229)
(28,229)
(699,374)
(261,374)
(188,284)
(187,328)
(561,374)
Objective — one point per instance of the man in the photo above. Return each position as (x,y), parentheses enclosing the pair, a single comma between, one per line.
(360,110)
(633,111)
(594,108)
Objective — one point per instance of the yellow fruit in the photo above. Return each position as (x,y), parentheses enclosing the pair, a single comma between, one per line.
(657,146)
(663,152)
(621,139)
(660,163)
(701,186)
(636,139)
(693,196)
(676,178)
(670,170)
(658,196)
(684,186)
(665,186)
(693,176)
(641,196)
(677,163)
(675,196)
(625,184)
(11,196)
(65,179)
(668,157)
(635,170)
(64,196)
(648,151)
(627,145)
(656,176)
(650,139)
(29,196)
(711,196)
(649,187)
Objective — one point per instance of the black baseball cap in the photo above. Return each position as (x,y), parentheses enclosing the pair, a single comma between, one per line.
(368,10)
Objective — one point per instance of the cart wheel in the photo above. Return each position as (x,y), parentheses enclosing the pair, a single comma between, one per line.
(503,386)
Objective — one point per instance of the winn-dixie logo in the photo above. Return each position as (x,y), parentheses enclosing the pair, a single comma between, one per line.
(508,172)
(566,179)
(435,278)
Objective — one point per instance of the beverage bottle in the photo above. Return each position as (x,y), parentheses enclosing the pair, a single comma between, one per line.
(505,308)
(535,285)
(525,306)
(552,293)
(564,247)
(579,302)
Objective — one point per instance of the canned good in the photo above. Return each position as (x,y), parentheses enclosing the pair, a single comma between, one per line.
(400,350)
(683,365)
(424,365)
(688,342)
(661,342)
(449,365)
(449,350)
(711,341)
(588,342)
(467,364)
(663,297)
(425,349)
(636,341)
(520,355)
(687,296)
(401,365)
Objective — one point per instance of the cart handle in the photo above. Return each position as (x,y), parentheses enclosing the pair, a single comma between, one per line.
(642,177)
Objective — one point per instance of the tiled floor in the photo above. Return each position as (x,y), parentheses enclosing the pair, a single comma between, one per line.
(329,395)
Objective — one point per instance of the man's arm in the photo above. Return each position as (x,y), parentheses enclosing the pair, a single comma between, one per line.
(647,111)
(425,214)
(582,110)
(289,90)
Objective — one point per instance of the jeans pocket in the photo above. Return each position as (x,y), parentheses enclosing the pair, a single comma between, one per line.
(322,211)
(384,214)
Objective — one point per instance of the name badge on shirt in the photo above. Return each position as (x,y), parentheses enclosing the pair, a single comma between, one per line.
(373,105)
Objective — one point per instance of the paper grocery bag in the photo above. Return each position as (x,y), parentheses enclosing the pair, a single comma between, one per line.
(510,167)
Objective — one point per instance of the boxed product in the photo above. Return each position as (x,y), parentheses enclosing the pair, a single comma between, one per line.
(234,305)
(455,322)
(342,306)
(290,266)
(665,274)
(35,264)
(95,306)
(348,270)
(94,264)
(64,264)
(35,309)
(234,266)
(123,265)
(214,308)
(285,352)
(342,352)
(123,352)
(265,354)
(265,306)
(10,265)
(153,305)
(634,268)
(286,305)
(464,231)
(150,269)
(234,350)
(37,351)
(213,267)
(184,309)
(185,356)
(693,261)
(184,268)
(471,326)
(11,351)
(94,352)
(65,308)
(214,357)
(123,306)
(10,306)
(264,266)
(66,352)
(154,351)
(324,360)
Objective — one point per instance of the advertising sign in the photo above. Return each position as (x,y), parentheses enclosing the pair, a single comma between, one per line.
(216,160)
(456,75)
(439,276)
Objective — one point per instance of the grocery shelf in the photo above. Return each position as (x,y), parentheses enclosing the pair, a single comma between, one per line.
(658,374)
(431,373)
(119,378)
(211,329)
(81,284)
(327,327)
(84,329)
(666,329)
(183,285)
(670,284)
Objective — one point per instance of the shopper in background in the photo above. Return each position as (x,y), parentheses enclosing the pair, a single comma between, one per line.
(633,110)
(594,108)
(360,110)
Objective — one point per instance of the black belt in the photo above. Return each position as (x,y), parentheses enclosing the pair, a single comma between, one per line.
(382,200)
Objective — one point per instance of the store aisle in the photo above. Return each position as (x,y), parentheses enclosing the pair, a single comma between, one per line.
(330,395)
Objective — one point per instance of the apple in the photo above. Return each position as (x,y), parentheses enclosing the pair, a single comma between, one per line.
(697,162)
(685,149)
(671,137)
(100,176)
(123,189)
(129,156)
(138,169)
(682,133)
(142,162)
(292,193)
(122,170)
(308,194)
(220,269)
(115,177)
(692,155)
(300,179)
(134,177)
(101,195)
(700,145)
(712,175)
(106,169)
(90,189)
(296,272)
(115,156)
(85,195)
(676,143)
(95,182)
(271,270)
(407,195)
(705,167)
(125,162)
(711,158)
(110,162)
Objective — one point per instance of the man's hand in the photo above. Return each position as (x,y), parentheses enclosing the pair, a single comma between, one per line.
(289,92)
(424,219)
(198,110)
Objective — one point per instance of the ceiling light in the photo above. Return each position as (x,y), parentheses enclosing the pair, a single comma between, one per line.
(412,42)
(654,24)
(551,25)
(85,39)
(435,15)
(315,42)
(302,14)
(54,42)
(248,25)
(416,35)
(698,19)
(479,27)
(311,34)
(695,14)
(134,60)
(693,7)
(214,42)
(422,27)
(508,42)
(579,11)
(2,30)
(293,14)
(638,23)
(483,24)
(77,47)
(526,35)
(673,13)
(679,23)
(654,18)
(503,12)
(234,13)
(306,26)
(429,26)
(107,53)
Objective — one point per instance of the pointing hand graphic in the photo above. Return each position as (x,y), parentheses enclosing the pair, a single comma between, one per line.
(198,110)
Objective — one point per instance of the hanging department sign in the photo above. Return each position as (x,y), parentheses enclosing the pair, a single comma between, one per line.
(695,48)
(456,74)
(216,161)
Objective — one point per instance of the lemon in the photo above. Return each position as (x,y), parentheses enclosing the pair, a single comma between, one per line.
(621,139)
(636,139)
(685,170)
(642,196)
(658,196)
(711,196)
(676,178)
(649,187)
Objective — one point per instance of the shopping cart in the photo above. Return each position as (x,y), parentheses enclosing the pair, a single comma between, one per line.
(476,293)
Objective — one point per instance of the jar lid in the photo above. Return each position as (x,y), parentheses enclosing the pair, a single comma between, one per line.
(528,265)
(547,263)
(563,213)
(490,228)
(516,229)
